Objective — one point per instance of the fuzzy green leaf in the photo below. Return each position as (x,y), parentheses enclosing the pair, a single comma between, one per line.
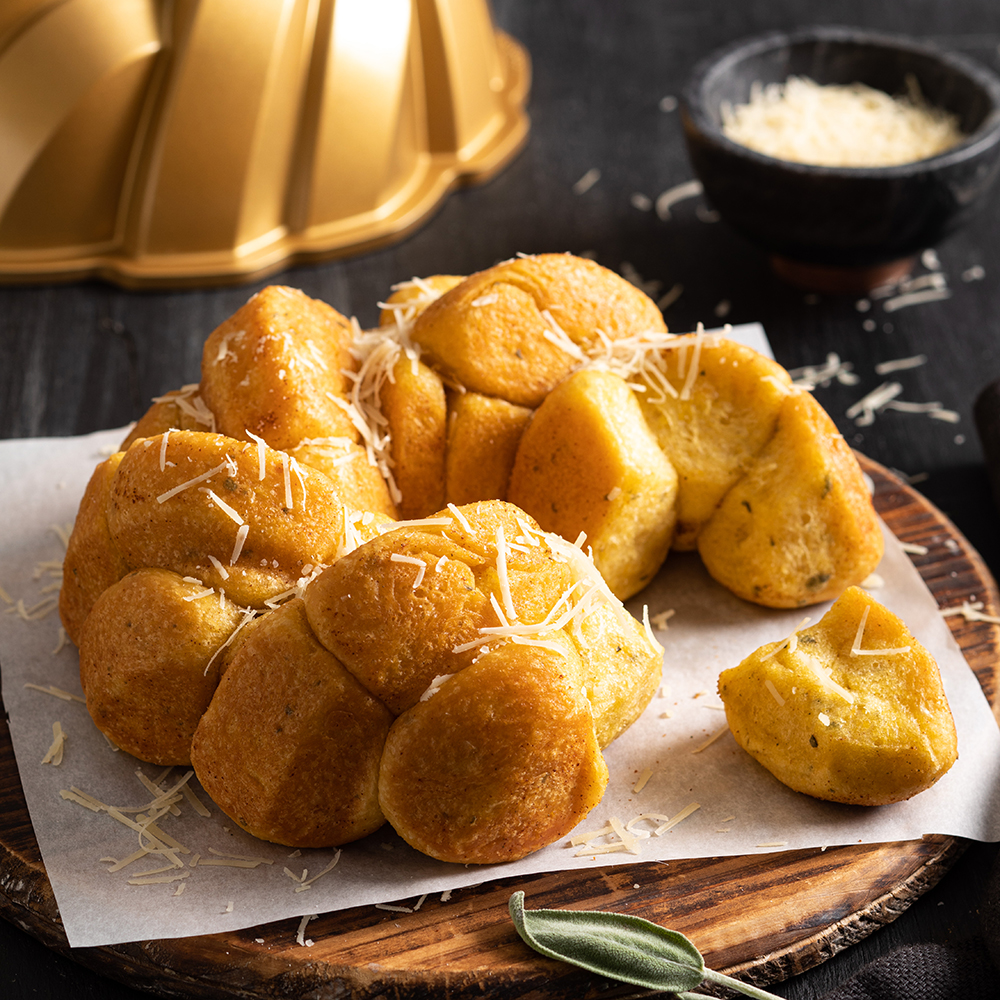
(616,945)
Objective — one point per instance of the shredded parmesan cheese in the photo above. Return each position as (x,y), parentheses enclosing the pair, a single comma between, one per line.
(587,181)
(307,883)
(643,779)
(659,621)
(501,564)
(299,475)
(241,537)
(769,684)
(674,820)
(159,879)
(711,739)
(36,612)
(971,611)
(856,649)
(227,465)
(300,935)
(630,842)
(261,454)
(916,298)
(287,481)
(811,376)
(196,803)
(248,616)
(680,192)
(585,838)
(163,450)
(863,411)
(435,686)
(900,364)
(418,579)
(54,754)
(219,568)
(824,678)
(654,643)
(791,641)
(230,863)
(645,817)
(603,849)
(861,629)
(191,405)
(839,126)
(692,372)
(556,335)
(199,595)
(56,692)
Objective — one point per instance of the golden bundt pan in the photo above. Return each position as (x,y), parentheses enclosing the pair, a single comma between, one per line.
(181,142)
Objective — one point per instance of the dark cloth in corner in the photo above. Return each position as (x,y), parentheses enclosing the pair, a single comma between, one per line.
(926,972)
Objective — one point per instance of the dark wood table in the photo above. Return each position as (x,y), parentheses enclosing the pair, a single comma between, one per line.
(75,358)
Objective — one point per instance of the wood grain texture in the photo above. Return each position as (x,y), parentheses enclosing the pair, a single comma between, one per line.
(763,918)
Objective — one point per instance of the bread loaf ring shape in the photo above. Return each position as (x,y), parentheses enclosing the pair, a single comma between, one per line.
(502,655)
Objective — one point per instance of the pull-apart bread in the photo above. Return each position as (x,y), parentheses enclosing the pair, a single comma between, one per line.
(346,575)
(586,389)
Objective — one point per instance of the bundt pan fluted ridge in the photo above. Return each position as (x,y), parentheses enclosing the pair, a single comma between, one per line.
(181,142)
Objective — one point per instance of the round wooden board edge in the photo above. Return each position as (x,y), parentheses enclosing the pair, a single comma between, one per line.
(159,966)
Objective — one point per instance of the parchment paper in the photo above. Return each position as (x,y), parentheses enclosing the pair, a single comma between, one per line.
(743,810)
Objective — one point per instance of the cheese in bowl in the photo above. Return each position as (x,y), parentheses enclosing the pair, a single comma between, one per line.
(837,125)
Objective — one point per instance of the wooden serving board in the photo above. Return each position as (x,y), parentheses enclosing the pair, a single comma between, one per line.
(763,917)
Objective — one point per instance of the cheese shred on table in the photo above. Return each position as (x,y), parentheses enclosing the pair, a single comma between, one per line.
(54,754)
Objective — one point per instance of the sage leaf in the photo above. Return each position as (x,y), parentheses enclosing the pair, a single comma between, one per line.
(622,947)
(616,945)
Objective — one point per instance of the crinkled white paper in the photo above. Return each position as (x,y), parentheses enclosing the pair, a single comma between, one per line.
(742,809)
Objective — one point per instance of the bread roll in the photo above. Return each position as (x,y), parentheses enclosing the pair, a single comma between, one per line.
(501,760)
(290,745)
(208,513)
(799,527)
(148,661)
(276,367)
(516,329)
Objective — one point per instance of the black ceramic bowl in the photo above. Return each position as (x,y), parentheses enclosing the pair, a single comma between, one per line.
(843,228)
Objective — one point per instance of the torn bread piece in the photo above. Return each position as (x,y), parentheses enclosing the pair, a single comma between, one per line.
(850,710)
